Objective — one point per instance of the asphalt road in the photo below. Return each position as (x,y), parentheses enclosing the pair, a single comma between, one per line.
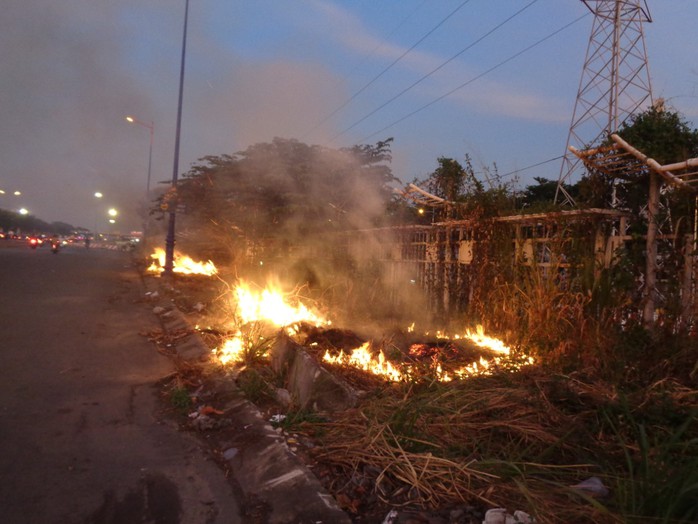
(80,436)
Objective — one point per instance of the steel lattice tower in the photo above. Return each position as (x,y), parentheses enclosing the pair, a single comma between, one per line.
(615,81)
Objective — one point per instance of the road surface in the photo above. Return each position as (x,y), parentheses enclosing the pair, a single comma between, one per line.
(80,435)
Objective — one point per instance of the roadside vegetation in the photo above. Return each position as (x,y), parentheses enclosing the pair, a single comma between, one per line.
(604,428)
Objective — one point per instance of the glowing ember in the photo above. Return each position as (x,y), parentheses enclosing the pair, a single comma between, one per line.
(181,264)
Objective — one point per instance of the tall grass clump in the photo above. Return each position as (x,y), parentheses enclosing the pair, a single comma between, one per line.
(655,476)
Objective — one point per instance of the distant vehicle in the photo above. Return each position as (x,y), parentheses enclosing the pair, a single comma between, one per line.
(55,245)
(35,242)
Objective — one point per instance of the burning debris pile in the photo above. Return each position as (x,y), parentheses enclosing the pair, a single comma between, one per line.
(259,312)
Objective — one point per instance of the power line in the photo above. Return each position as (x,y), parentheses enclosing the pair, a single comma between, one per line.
(500,64)
(443,64)
(515,171)
(386,69)
(373,51)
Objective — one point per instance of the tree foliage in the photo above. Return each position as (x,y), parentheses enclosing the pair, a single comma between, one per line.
(285,189)
(661,135)
(13,221)
(466,196)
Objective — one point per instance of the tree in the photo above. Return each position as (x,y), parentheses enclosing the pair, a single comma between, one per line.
(448,181)
(662,135)
(465,195)
(541,195)
(285,188)
(656,254)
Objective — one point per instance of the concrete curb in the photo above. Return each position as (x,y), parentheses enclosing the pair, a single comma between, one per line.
(264,467)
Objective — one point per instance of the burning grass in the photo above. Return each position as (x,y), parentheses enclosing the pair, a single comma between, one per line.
(519,436)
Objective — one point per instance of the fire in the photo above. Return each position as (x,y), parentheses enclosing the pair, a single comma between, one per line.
(181,264)
(479,338)
(254,306)
(272,305)
(233,350)
(362,358)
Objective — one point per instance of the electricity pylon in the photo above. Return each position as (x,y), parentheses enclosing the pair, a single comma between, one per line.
(615,80)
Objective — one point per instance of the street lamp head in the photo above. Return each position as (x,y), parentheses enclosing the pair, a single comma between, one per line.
(98,194)
(112,212)
(23,211)
(133,120)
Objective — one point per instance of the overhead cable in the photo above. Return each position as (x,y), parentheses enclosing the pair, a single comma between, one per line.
(469,46)
(386,69)
(515,171)
(461,86)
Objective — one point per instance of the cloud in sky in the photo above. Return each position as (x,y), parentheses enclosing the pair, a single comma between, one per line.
(486,96)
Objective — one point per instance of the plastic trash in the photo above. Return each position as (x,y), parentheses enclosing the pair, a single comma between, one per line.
(592,486)
(501,516)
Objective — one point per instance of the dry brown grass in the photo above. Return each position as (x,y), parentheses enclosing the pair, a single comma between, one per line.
(516,440)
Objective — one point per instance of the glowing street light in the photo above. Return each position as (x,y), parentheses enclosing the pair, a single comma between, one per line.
(112,212)
(98,195)
(151,128)
(23,211)
(17,193)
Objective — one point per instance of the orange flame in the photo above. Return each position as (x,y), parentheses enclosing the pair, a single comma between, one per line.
(268,305)
(378,365)
(362,358)
(276,307)
(273,305)
(181,264)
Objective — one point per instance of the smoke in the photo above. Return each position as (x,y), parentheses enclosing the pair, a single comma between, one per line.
(71,71)
(62,90)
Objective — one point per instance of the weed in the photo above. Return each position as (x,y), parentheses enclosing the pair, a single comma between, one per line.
(295,418)
(180,399)
(255,387)
(659,477)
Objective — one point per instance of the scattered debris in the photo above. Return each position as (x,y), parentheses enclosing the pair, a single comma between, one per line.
(593,486)
(500,516)
(391,517)
(230,453)
(277,419)
(202,422)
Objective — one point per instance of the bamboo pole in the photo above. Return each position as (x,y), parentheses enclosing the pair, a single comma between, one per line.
(651,251)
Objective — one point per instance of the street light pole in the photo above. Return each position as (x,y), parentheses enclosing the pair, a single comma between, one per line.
(151,128)
(170,240)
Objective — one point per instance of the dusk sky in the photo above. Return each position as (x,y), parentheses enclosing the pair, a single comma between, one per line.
(314,70)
